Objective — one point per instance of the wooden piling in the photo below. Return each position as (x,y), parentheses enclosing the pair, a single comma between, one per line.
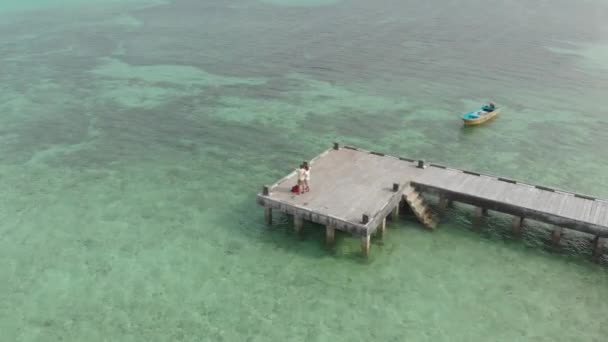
(518,226)
(444,203)
(395,213)
(485,212)
(599,246)
(556,235)
(382,228)
(298,222)
(330,234)
(365,244)
(477,217)
(268,215)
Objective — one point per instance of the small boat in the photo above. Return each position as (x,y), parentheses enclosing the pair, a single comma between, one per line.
(480,116)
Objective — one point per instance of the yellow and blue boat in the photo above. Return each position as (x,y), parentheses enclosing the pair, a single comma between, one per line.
(484,114)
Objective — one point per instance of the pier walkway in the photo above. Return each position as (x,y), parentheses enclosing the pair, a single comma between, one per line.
(354,190)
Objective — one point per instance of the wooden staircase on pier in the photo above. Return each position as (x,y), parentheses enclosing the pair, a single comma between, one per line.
(419,206)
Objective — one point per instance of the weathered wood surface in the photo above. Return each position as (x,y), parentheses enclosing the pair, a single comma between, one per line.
(347,183)
(555,207)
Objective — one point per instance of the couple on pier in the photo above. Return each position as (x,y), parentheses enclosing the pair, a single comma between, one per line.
(303,174)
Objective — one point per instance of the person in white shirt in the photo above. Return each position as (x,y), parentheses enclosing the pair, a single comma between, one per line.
(306,177)
(301,178)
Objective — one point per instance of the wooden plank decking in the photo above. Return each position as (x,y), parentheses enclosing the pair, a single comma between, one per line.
(348,183)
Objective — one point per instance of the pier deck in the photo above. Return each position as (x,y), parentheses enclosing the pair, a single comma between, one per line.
(355,191)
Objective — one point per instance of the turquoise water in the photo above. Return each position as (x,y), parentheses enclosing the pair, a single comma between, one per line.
(135,134)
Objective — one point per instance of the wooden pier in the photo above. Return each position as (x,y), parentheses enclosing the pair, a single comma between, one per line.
(355,191)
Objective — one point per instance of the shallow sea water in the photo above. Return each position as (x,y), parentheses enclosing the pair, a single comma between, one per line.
(135,135)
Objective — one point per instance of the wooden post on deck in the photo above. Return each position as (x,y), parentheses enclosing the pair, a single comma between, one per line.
(336,146)
(421,164)
(298,222)
(518,226)
(330,234)
(268,215)
(365,242)
(266,190)
(382,228)
(477,217)
(556,235)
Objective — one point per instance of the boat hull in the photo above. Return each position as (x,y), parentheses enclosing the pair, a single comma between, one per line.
(481,118)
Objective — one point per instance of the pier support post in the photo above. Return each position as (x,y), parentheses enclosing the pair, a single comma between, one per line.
(477,217)
(485,212)
(298,222)
(599,245)
(556,235)
(395,213)
(268,215)
(330,234)
(518,226)
(365,242)
(444,203)
(382,228)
